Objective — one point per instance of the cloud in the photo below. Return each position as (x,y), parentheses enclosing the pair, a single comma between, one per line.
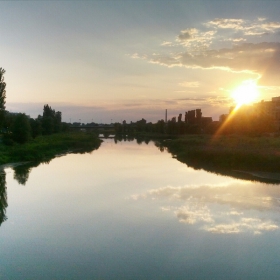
(221,209)
(249,28)
(187,34)
(226,23)
(237,39)
(166,43)
(260,59)
(192,215)
(228,44)
(189,84)
(256,226)
(195,39)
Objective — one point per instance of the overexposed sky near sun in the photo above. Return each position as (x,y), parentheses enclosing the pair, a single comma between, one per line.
(114,60)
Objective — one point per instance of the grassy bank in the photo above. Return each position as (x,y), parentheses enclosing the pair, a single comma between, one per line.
(47,147)
(233,152)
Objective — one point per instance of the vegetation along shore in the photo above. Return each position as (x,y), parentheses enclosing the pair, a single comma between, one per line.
(45,147)
(226,152)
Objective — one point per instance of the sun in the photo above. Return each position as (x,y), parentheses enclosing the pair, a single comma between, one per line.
(246,93)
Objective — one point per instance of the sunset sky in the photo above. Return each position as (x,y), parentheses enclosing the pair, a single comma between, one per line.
(114,60)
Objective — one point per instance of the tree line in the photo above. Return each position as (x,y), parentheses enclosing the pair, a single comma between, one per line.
(20,128)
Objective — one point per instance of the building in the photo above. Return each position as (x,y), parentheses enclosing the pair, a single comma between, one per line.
(270,108)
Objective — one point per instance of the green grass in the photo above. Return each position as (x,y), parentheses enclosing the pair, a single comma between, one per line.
(47,147)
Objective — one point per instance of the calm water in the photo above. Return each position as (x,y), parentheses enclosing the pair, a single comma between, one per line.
(129,211)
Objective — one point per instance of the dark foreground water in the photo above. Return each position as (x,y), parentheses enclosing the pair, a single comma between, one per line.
(129,211)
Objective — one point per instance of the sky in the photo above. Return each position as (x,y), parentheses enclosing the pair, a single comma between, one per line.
(109,61)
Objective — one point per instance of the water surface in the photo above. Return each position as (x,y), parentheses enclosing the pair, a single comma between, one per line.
(129,211)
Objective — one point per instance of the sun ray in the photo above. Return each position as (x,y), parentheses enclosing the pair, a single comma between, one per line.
(246,93)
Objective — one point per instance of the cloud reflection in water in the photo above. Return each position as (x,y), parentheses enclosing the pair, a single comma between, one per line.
(224,209)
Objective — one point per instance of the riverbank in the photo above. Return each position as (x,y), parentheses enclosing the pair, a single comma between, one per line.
(231,152)
(46,147)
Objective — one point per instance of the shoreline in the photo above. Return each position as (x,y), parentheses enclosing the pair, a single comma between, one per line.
(259,156)
(44,148)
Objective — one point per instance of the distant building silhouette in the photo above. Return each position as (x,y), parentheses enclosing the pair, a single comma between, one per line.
(270,108)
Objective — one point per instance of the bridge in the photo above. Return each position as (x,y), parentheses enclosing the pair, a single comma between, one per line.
(92,126)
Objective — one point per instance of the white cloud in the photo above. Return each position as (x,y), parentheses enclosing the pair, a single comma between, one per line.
(236,39)
(194,214)
(190,84)
(194,39)
(166,43)
(256,226)
(234,213)
(257,27)
(226,23)
(187,34)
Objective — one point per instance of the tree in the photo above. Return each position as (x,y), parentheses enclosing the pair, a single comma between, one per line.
(21,129)
(51,120)
(2,94)
(2,89)
(48,111)
(57,121)
(36,127)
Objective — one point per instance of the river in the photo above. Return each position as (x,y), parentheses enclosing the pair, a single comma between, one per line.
(130,211)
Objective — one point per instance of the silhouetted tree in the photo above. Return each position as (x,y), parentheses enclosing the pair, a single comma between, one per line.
(47,125)
(48,111)
(141,125)
(50,121)
(57,121)
(2,95)
(21,130)
(159,126)
(36,127)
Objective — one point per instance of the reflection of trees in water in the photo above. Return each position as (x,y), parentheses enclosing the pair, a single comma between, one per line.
(198,161)
(129,137)
(21,172)
(3,197)
(160,146)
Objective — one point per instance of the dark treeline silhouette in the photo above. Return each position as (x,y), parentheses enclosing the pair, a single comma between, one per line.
(18,127)
(171,127)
